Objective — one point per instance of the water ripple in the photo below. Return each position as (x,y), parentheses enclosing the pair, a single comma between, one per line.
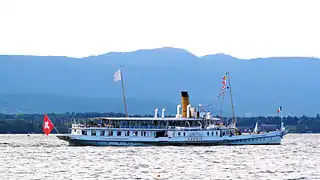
(46,157)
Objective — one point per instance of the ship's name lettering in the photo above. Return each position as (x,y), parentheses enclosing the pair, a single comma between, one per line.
(194,138)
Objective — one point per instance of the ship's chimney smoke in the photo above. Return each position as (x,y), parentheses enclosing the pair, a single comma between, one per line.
(185,103)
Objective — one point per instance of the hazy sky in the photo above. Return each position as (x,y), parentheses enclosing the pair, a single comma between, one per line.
(241,28)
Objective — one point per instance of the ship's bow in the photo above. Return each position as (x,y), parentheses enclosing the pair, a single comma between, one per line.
(64,137)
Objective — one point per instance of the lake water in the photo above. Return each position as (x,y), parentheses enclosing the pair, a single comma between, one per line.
(41,157)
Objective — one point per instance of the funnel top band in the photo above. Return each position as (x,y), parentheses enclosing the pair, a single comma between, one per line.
(184,94)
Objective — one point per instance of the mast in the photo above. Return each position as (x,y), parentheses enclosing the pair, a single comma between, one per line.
(123,94)
(221,108)
(222,93)
(234,120)
(281,120)
(281,125)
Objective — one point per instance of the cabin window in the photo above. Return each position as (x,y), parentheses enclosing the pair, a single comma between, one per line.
(184,133)
(84,132)
(102,133)
(127,133)
(93,133)
(145,133)
(119,133)
(109,133)
(216,133)
(207,133)
(178,133)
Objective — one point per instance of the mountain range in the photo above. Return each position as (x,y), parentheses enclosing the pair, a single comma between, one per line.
(153,78)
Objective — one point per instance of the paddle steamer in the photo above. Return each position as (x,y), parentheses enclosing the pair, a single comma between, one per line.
(190,126)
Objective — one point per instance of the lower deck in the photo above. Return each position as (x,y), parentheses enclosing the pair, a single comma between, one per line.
(174,138)
(153,133)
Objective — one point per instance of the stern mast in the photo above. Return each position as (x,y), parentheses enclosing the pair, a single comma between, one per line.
(123,94)
(118,76)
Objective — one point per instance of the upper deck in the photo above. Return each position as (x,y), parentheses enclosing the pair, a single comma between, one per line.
(152,119)
(126,123)
(186,117)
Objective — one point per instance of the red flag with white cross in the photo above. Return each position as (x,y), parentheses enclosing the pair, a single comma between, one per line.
(47,126)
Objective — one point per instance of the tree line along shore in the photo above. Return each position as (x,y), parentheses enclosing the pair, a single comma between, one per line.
(32,123)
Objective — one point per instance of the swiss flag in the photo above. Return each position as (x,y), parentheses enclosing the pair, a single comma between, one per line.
(47,125)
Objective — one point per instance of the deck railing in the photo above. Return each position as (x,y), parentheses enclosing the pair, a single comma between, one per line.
(193,128)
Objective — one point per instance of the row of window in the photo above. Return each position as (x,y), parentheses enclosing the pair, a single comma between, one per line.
(146,133)
(209,133)
(119,133)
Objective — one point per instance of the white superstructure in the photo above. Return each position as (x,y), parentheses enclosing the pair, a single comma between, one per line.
(190,126)
(197,128)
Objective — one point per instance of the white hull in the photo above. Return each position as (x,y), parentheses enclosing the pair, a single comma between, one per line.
(271,138)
